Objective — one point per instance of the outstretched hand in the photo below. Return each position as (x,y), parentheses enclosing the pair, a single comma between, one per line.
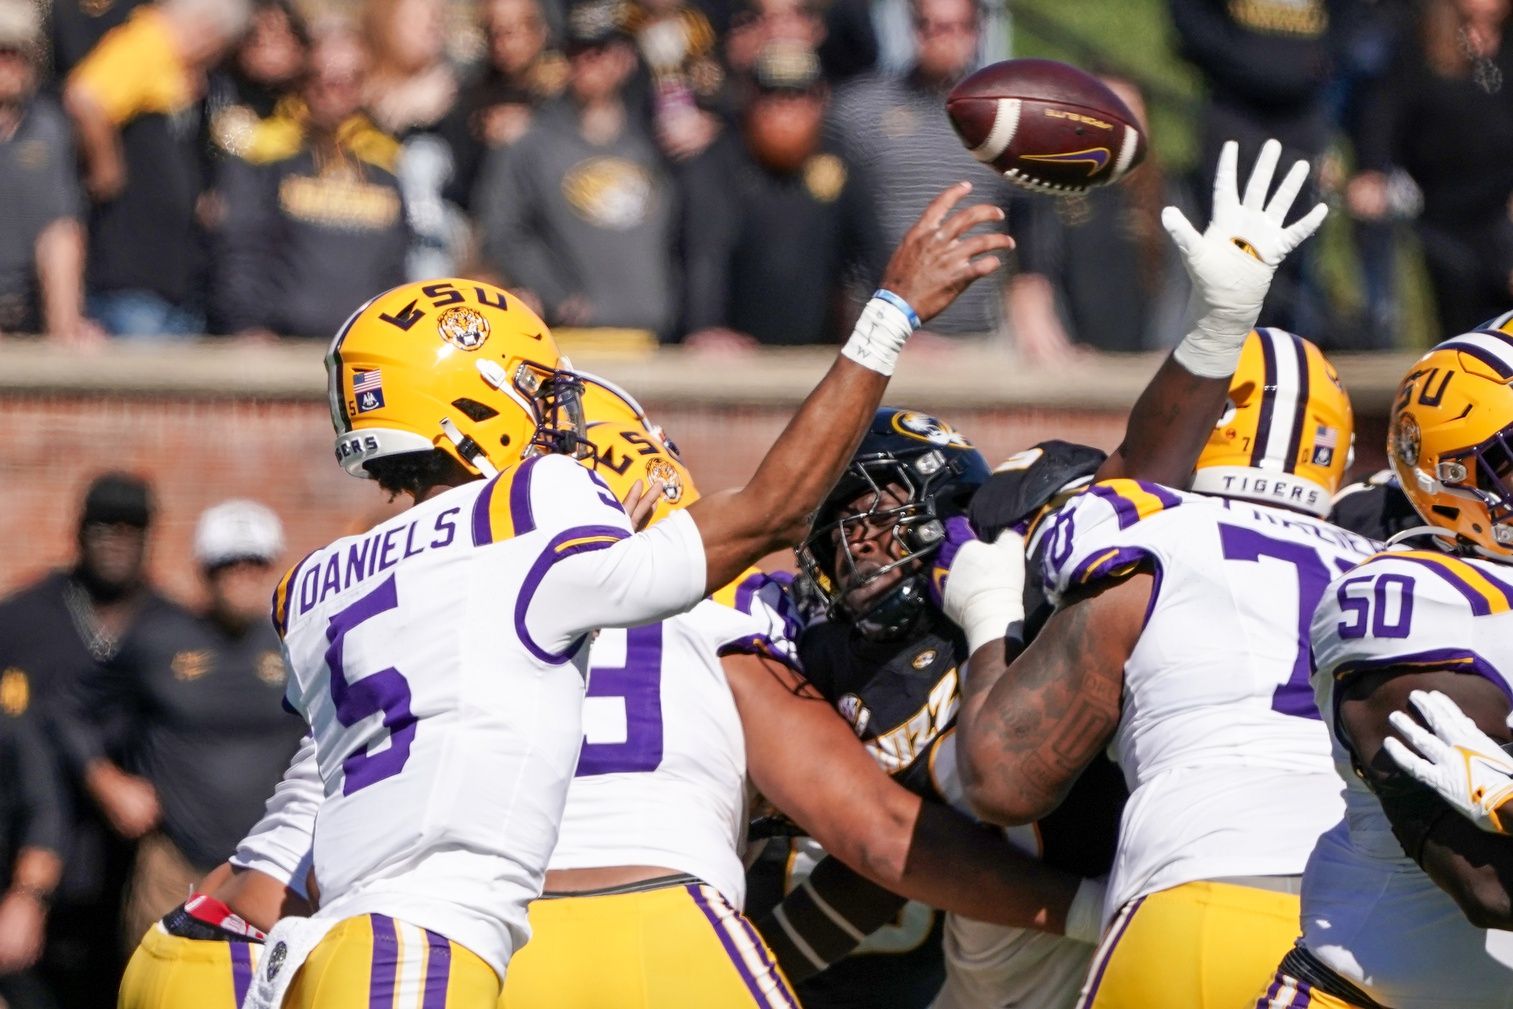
(937,260)
(1232,262)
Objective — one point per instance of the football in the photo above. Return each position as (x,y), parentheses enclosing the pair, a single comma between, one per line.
(1047,126)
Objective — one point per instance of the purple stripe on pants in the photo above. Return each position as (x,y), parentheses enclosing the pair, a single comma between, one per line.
(1108,955)
(1301,999)
(752,985)
(384,974)
(241,969)
(438,970)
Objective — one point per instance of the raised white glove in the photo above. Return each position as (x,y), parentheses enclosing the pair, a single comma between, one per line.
(982,590)
(1231,264)
(1467,767)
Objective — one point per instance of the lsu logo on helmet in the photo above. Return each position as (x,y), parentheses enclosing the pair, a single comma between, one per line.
(1450,439)
(1287,432)
(455,365)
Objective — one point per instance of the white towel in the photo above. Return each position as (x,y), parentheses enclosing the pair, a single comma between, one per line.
(284,954)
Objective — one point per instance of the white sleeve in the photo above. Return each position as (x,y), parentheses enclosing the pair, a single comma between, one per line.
(279,844)
(600,577)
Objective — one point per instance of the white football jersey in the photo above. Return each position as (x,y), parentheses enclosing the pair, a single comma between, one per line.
(1369,911)
(439,660)
(278,845)
(662,776)
(1219,738)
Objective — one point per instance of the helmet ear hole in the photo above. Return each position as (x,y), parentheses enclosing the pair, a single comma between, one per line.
(474,410)
(1446,512)
(504,441)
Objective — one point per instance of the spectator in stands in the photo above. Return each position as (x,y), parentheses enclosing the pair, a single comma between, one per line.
(1453,84)
(77,26)
(259,78)
(579,214)
(53,633)
(761,23)
(774,219)
(677,47)
(495,110)
(1095,269)
(33,838)
(318,226)
(42,241)
(1266,64)
(200,694)
(135,101)
(411,91)
(892,133)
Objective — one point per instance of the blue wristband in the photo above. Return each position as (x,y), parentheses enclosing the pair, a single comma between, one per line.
(900,304)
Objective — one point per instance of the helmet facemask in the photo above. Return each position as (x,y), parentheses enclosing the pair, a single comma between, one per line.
(1483,475)
(899,502)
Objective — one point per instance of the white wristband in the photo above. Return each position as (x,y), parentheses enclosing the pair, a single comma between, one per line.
(879,335)
(1084,916)
(1209,356)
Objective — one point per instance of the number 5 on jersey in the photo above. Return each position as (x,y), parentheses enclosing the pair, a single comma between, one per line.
(386,692)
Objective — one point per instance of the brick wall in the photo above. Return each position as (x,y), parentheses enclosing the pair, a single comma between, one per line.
(198,451)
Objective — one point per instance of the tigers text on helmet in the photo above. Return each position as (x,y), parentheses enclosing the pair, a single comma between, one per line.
(455,365)
(1450,440)
(910,473)
(1287,434)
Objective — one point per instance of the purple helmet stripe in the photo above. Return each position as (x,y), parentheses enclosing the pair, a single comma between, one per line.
(1300,407)
(1268,398)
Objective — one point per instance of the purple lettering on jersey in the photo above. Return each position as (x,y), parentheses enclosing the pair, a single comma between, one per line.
(330,582)
(605,494)
(357,561)
(386,560)
(410,548)
(309,588)
(1376,612)
(385,691)
(1295,696)
(568,543)
(639,682)
(446,525)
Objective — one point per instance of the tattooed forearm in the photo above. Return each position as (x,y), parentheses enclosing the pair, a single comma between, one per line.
(1027,735)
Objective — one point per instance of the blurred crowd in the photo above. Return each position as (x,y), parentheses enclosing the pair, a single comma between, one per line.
(723,173)
(139,738)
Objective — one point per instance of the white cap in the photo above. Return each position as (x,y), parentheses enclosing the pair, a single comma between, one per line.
(237,530)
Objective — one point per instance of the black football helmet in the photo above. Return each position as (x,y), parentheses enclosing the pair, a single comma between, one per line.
(933,471)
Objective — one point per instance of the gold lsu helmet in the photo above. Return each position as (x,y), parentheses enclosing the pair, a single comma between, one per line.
(1287,433)
(456,365)
(1450,439)
(604,401)
(625,452)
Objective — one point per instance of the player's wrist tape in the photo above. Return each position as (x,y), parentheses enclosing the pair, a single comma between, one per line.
(900,304)
(1208,355)
(881,332)
(1084,916)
